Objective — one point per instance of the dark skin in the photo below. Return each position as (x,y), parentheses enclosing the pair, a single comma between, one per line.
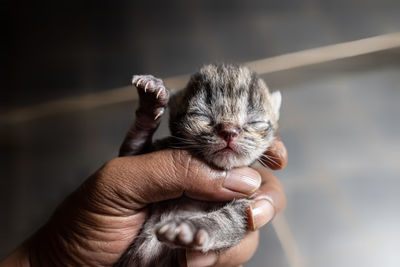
(98,221)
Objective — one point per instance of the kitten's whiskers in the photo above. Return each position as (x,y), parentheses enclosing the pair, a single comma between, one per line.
(269,159)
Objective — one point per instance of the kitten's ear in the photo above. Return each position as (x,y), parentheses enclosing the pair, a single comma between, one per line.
(276,100)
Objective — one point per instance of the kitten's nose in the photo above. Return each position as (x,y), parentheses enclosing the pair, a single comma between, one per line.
(228,132)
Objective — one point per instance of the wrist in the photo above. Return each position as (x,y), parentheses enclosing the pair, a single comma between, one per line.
(56,243)
(84,231)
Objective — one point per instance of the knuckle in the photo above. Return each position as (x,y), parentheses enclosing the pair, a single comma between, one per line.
(111,163)
(110,167)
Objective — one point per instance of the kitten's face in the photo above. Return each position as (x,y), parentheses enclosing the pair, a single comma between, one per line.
(226,115)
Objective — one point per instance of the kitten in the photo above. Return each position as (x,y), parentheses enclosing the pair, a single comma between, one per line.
(225,116)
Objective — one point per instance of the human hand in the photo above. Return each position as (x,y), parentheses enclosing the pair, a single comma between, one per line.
(97,222)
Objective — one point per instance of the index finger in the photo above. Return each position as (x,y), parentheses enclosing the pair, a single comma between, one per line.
(276,156)
(269,200)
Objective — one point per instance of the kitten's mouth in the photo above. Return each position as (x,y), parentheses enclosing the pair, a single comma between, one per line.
(226,151)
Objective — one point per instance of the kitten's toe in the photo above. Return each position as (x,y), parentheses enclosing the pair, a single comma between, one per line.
(135,79)
(183,235)
(167,232)
(186,234)
(201,238)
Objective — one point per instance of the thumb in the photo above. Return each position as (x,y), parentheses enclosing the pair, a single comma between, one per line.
(140,180)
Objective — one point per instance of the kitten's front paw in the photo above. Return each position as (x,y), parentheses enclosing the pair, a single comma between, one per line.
(183,234)
(152,93)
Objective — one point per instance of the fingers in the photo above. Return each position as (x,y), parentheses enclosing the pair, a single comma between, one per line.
(240,253)
(276,156)
(269,200)
(167,174)
(233,256)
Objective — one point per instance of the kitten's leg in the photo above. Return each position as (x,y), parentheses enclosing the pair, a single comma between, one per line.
(216,230)
(153,99)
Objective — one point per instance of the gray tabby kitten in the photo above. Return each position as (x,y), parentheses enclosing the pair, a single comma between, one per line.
(227,117)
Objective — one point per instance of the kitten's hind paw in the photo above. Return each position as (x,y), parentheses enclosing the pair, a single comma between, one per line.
(152,93)
(183,235)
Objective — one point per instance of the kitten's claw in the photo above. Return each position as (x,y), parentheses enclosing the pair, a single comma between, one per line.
(135,79)
(160,89)
(159,114)
(138,82)
(145,87)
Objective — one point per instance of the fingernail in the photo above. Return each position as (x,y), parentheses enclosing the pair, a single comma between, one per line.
(198,259)
(262,212)
(243,180)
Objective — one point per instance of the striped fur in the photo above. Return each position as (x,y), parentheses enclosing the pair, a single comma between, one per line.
(220,94)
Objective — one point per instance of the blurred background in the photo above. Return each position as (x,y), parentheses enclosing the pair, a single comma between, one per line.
(66,104)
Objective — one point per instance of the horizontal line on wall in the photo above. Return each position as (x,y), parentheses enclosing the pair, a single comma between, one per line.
(262,66)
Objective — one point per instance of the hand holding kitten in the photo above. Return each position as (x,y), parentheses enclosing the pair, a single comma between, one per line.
(97,222)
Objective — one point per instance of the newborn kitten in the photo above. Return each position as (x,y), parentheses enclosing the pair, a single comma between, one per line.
(225,116)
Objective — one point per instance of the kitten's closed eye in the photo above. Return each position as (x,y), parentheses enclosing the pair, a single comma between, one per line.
(260,125)
(201,117)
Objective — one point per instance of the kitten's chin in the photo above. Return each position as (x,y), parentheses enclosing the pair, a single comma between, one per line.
(228,160)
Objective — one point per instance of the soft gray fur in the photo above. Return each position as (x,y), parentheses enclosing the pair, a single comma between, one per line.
(227,117)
